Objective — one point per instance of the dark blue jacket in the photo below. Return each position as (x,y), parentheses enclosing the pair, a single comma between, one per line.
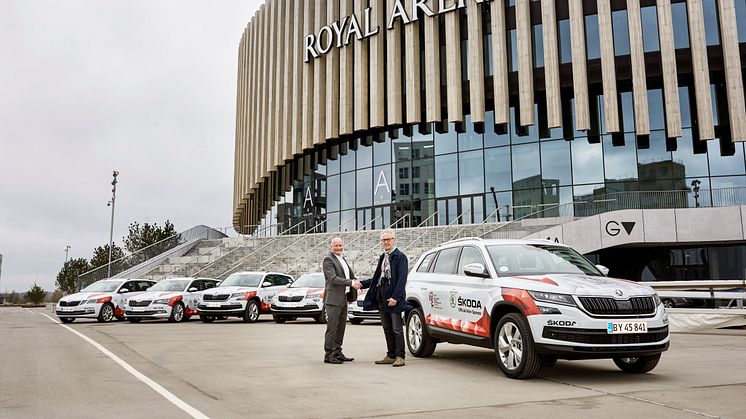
(395,287)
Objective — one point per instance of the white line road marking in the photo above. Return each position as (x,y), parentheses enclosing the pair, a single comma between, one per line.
(127,367)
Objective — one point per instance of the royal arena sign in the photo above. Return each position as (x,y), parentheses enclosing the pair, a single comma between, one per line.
(338,34)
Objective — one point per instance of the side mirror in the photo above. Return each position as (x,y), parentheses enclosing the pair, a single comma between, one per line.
(476,269)
(193,289)
(604,270)
(266,284)
(124,290)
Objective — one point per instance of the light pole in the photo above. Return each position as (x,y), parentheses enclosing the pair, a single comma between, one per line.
(111,229)
(67,249)
(695,189)
(497,207)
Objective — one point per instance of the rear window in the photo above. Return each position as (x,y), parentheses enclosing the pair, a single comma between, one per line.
(425,264)
(446,260)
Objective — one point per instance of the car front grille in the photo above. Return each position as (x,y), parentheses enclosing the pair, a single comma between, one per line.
(222,308)
(359,303)
(218,297)
(69,303)
(304,308)
(290,299)
(601,337)
(611,306)
(139,303)
(140,313)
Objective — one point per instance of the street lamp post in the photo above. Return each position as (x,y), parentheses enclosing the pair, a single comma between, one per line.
(695,189)
(67,249)
(111,229)
(497,207)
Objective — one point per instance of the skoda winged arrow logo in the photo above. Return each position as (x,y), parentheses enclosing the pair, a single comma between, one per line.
(453,299)
(618,292)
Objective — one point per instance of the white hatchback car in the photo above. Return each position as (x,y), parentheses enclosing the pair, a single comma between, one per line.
(102,300)
(303,298)
(242,294)
(533,302)
(356,313)
(174,299)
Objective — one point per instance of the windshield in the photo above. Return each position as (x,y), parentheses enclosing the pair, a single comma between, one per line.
(242,280)
(314,280)
(102,286)
(538,259)
(170,285)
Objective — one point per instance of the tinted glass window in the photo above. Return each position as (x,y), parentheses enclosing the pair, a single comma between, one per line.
(381,152)
(654,162)
(471,179)
(491,138)
(526,167)
(538,45)
(555,161)
(364,187)
(712,29)
(725,165)
(446,261)
(446,178)
(282,280)
(526,259)
(649,29)
(332,195)
(656,111)
(425,265)
(513,47)
(588,162)
(564,40)
(680,25)
(497,169)
(447,142)
(364,155)
(592,44)
(620,161)
(621,32)
(694,164)
(470,255)
(741,19)
(382,182)
(347,194)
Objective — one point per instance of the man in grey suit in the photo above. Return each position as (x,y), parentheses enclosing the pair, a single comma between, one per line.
(341,288)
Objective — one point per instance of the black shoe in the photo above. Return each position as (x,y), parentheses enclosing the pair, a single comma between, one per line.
(341,357)
(332,361)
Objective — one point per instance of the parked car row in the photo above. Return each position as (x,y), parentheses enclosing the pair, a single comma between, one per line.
(243,294)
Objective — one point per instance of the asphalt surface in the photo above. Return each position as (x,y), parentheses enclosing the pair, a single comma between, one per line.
(230,369)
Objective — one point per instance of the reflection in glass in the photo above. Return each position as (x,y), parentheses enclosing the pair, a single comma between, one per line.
(725,165)
(680,25)
(381,152)
(513,47)
(364,187)
(469,140)
(347,161)
(649,29)
(694,164)
(592,43)
(347,196)
(686,110)
(364,155)
(491,138)
(471,176)
(446,178)
(332,193)
(555,162)
(587,162)
(655,109)
(564,39)
(621,32)
(620,162)
(741,20)
(526,166)
(382,184)
(446,142)
(712,30)
(628,111)
(521,134)
(538,45)
(497,169)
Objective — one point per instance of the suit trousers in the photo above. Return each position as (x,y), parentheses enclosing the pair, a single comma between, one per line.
(335,330)
(393,330)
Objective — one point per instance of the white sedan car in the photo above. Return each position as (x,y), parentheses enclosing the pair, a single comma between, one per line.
(242,294)
(174,299)
(303,298)
(101,300)
(356,313)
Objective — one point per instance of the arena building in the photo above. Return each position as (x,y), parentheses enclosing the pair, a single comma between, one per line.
(369,113)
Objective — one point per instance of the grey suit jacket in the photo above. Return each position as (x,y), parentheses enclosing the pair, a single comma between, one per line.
(336,283)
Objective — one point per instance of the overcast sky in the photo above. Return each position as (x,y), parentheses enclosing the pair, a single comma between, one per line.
(145,87)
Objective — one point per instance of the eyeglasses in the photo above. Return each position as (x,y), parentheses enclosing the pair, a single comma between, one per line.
(387,240)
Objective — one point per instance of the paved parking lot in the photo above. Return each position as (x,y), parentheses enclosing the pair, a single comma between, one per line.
(231,369)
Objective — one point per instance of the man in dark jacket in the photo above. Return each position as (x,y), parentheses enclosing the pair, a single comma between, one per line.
(388,296)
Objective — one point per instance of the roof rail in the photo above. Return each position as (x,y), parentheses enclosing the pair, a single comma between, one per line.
(463,239)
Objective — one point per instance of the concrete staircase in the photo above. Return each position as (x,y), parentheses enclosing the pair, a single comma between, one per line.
(297,254)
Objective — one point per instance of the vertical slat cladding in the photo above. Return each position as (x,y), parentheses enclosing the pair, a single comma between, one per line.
(733,75)
(287,82)
(377,65)
(412,66)
(319,76)
(346,79)
(296,128)
(551,63)
(432,69)
(579,70)
(525,62)
(700,69)
(608,68)
(237,163)
(280,71)
(263,101)
(670,74)
(270,138)
(637,56)
(476,62)
(308,115)
(244,156)
(332,77)
(393,69)
(258,97)
(453,68)
(251,98)
(500,62)
(363,76)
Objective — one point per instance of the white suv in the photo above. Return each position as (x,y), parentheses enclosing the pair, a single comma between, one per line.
(533,302)
(242,294)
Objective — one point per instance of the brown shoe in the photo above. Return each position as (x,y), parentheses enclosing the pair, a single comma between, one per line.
(399,362)
(386,360)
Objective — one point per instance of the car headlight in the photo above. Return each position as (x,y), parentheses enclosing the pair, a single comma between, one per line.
(94,301)
(161,301)
(550,297)
(315,297)
(656,299)
(237,294)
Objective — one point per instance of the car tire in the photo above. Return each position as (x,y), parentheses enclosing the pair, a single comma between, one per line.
(322,317)
(119,318)
(251,314)
(67,319)
(134,319)
(177,313)
(206,319)
(514,347)
(279,319)
(419,342)
(638,365)
(668,303)
(106,314)
(356,321)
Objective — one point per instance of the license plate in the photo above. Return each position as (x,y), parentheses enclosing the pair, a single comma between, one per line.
(138,308)
(615,328)
(66,309)
(213,304)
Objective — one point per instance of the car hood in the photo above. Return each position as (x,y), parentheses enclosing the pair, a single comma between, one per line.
(303,291)
(229,290)
(580,285)
(155,295)
(80,296)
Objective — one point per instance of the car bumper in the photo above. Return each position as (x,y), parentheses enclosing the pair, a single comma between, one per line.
(308,309)
(362,314)
(225,308)
(150,312)
(86,311)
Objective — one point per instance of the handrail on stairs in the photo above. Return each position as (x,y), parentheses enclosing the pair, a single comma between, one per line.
(297,261)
